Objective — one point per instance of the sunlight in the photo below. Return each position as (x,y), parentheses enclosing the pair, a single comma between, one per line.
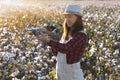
(8,7)
(11,2)
(12,7)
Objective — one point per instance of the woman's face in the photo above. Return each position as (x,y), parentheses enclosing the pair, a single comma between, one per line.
(70,19)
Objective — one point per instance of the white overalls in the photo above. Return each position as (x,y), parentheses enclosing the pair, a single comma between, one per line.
(66,71)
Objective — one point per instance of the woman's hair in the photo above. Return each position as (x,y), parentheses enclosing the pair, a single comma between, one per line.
(69,31)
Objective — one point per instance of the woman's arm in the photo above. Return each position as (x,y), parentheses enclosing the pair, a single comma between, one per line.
(78,40)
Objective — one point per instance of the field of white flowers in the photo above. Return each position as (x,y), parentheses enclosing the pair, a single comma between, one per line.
(23,57)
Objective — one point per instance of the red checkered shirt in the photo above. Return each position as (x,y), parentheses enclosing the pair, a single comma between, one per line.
(74,49)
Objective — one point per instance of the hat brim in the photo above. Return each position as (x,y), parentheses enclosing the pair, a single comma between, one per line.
(71,13)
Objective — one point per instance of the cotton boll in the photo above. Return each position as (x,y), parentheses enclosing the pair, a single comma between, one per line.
(16,73)
(13,36)
(110,36)
(117,45)
(116,52)
(45,64)
(98,32)
(95,30)
(52,60)
(45,24)
(32,48)
(43,77)
(6,47)
(42,50)
(101,58)
(106,40)
(53,57)
(108,32)
(113,61)
(24,16)
(105,17)
(118,19)
(115,68)
(106,56)
(48,47)
(104,49)
(44,57)
(41,60)
(118,38)
(92,50)
(119,66)
(95,17)
(38,47)
(5,30)
(101,45)
(89,25)
(107,52)
(107,64)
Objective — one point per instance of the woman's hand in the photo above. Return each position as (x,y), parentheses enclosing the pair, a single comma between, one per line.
(44,38)
(54,36)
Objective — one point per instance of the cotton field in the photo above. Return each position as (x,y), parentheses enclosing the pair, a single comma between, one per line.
(23,57)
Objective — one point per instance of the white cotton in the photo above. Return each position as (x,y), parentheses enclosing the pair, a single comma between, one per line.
(92,50)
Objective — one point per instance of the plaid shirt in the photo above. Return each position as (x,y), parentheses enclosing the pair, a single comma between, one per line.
(74,49)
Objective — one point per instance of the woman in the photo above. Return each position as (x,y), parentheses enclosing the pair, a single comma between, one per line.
(70,49)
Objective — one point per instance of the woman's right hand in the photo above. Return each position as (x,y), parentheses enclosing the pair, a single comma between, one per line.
(44,38)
